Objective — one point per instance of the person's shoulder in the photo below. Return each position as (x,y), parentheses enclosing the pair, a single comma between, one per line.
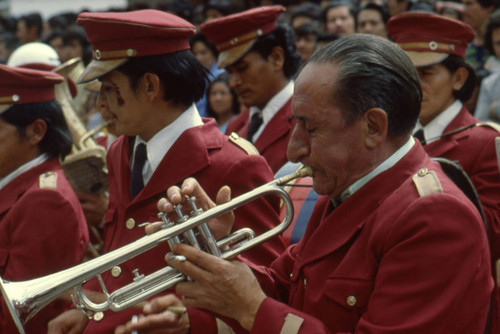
(243,144)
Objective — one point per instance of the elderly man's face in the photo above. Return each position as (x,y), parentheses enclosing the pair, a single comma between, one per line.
(320,138)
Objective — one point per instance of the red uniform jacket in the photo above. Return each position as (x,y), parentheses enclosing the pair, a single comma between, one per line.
(204,153)
(273,141)
(42,231)
(474,149)
(387,260)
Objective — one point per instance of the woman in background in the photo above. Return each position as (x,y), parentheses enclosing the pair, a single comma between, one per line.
(223,102)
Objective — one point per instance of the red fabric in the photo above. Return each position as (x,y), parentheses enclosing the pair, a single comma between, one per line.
(419,27)
(230,31)
(414,264)
(204,153)
(42,231)
(273,141)
(24,85)
(148,32)
(475,150)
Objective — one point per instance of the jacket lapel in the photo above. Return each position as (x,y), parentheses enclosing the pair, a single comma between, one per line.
(279,126)
(441,146)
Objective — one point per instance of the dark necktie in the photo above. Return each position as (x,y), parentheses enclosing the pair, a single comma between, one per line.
(255,123)
(420,136)
(136,181)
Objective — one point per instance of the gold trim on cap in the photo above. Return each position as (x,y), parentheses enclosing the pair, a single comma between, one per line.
(8,99)
(243,38)
(103,55)
(433,45)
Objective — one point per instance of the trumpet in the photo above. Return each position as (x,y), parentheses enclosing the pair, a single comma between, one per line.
(24,299)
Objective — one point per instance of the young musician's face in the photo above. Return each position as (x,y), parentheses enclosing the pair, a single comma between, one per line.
(438,85)
(120,105)
(14,148)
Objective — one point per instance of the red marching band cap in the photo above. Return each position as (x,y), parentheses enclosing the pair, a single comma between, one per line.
(118,36)
(23,86)
(235,34)
(429,38)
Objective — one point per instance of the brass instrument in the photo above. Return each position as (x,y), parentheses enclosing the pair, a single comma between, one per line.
(85,168)
(26,298)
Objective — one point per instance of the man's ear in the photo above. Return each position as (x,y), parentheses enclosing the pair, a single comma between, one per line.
(459,78)
(36,131)
(151,85)
(374,127)
(277,58)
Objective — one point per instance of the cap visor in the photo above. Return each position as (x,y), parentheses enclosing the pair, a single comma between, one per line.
(420,59)
(98,68)
(4,107)
(233,54)
(93,86)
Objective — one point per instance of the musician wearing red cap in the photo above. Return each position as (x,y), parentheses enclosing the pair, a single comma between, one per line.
(261,58)
(392,246)
(149,83)
(437,45)
(42,226)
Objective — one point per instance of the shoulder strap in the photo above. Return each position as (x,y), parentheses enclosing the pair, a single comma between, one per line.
(427,182)
(244,144)
(47,180)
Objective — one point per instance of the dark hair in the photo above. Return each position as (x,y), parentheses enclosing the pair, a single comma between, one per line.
(283,37)
(76,32)
(225,7)
(307,29)
(492,24)
(373,73)
(199,37)
(339,3)
(488,3)
(224,78)
(452,64)
(307,9)
(384,13)
(33,20)
(57,140)
(182,74)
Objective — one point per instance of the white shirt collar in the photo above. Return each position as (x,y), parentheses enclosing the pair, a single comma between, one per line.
(161,142)
(272,107)
(385,165)
(23,168)
(434,130)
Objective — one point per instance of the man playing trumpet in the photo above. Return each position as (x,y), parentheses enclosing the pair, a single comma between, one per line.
(393,246)
(149,83)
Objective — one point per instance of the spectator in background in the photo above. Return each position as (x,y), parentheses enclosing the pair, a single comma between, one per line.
(8,43)
(324,39)
(475,14)
(223,102)
(339,18)
(492,42)
(306,37)
(76,45)
(215,9)
(488,102)
(371,19)
(29,28)
(308,12)
(55,40)
(450,9)
(205,51)
(399,6)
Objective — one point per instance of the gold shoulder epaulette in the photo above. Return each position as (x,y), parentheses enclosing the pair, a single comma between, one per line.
(47,180)
(244,144)
(492,125)
(427,182)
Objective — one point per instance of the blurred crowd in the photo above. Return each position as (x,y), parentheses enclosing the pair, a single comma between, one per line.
(315,23)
